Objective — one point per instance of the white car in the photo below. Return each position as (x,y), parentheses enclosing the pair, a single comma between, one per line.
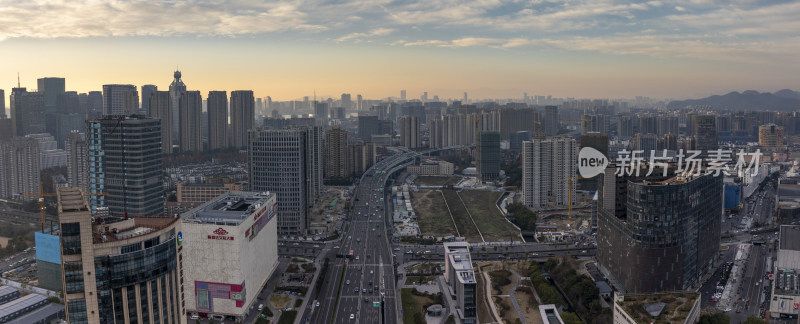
(352,316)
(260,307)
(194,316)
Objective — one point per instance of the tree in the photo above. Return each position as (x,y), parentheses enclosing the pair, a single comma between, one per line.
(570,318)
(754,320)
(718,318)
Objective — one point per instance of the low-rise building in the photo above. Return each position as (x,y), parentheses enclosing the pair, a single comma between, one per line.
(550,314)
(230,249)
(672,308)
(461,283)
(785,302)
(432,168)
(198,193)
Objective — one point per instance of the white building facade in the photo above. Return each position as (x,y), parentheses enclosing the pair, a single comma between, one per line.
(230,250)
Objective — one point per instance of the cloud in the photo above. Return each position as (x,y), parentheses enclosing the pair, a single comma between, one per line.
(87,18)
(359,36)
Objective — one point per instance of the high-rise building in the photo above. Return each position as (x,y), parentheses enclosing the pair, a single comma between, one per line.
(462,286)
(403,95)
(551,124)
(190,116)
(625,126)
(410,136)
(3,104)
(668,125)
(487,160)
(147,91)
(548,167)
(658,233)
(175,89)
(597,141)
(27,112)
(19,157)
(367,126)
(119,270)
(161,109)
(361,156)
(645,142)
(118,99)
(770,136)
(321,113)
(77,161)
(52,89)
(515,140)
(230,250)
(49,153)
(360,102)
(705,133)
(94,104)
(337,160)
(217,108)
(347,103)
(594,124)
(287,162)
(125,163)
(242,117)
(436,135)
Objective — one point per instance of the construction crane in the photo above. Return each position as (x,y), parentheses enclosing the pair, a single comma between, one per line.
(539,134)
(42,206)
(569,208)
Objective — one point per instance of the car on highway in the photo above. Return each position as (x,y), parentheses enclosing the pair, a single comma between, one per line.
(317,304)
(352,316)
(347,282)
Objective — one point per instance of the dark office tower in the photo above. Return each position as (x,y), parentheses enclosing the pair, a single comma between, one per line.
(359,102)
(665,234)
(436,133)
(242,117)
(338,113)
(161,109)
(27,112)
(69,103)
(52,89)
(551,125)
(347,103)
(594,124)
(125,163)
(668,125)
(19,158)
(488,156)
(147,91)
(597,141)
(690,119)
(94,104)
(337,160)
(283,161)
(77,160)
(648,124)
(724,123)
(515,140)
(131,274)
(190,116)
(118,99)
(2,104)
(367,126)
(217,107)
(6,129)
(321,113)
(175,89)
(625,126)
(410,136)
(671,142)
(705,133)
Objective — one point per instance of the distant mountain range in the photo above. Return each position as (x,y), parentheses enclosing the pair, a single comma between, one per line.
(784,100)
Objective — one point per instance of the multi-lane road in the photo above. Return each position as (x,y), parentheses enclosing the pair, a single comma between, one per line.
(360,288)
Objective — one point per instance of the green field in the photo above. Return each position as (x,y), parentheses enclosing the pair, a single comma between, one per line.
(487,216)
(413,305)
(436,180)
(432,215)
(464,223)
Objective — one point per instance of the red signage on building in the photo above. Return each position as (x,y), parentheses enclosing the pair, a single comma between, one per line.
(220,234)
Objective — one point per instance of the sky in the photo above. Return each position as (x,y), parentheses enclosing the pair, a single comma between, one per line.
(487,48)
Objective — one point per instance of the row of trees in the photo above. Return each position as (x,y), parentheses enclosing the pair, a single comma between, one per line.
(524,217)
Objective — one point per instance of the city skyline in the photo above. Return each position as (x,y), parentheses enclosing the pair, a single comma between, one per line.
(489,49)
